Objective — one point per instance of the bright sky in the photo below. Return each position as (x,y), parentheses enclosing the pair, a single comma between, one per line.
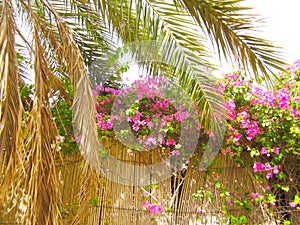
(282,24)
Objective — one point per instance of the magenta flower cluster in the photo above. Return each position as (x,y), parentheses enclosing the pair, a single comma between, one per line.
(153,208)
(264,124)
(260,167)
(152,110)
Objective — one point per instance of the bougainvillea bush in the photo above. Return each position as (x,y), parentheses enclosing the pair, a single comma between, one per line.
(264,133)
(145,116)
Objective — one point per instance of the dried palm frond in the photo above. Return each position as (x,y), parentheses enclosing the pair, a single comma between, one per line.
(10,104)
(40,182)
(84,116)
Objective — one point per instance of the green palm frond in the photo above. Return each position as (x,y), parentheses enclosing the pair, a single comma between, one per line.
(179,44)
(228,25)
(184,29)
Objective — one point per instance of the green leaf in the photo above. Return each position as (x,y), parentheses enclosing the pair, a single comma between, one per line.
(94,201)
(297,199)
(285,188)
(254,152)
(218,185)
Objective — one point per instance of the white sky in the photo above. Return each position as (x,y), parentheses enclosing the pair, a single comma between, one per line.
(282,24)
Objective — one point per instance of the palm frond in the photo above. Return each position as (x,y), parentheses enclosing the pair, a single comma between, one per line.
(10,99)
(10,102)
(93,38)
(178,42)
(228,25)
(83,114)
(40,181)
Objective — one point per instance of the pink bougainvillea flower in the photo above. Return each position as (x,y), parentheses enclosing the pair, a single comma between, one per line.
(138,115)
(231,129)
(97,106)
(109,124)
(269,175)
(135,127)
(101,124)
(178,117)
(263,151)
(100,88)
(99,115)
(253,196)
(268,167)
(175,152)
(283,96)
(145,203)
(269,99)
(154,208)
(275,170)
(117,92)
(94,93)
(276,150)
(236,137)
(230,105)
(150,140)
(252,131)
(245,123)
(171,142)
(237,83)
(232,76)
(258,167)
(295,113)
(108,89)
(293,205)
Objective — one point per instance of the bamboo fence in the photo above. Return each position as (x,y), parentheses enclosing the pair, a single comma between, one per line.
(114,203)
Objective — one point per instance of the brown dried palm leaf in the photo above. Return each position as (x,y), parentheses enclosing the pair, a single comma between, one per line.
(83,109)
(40,183)
(10,104)
(84,115)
